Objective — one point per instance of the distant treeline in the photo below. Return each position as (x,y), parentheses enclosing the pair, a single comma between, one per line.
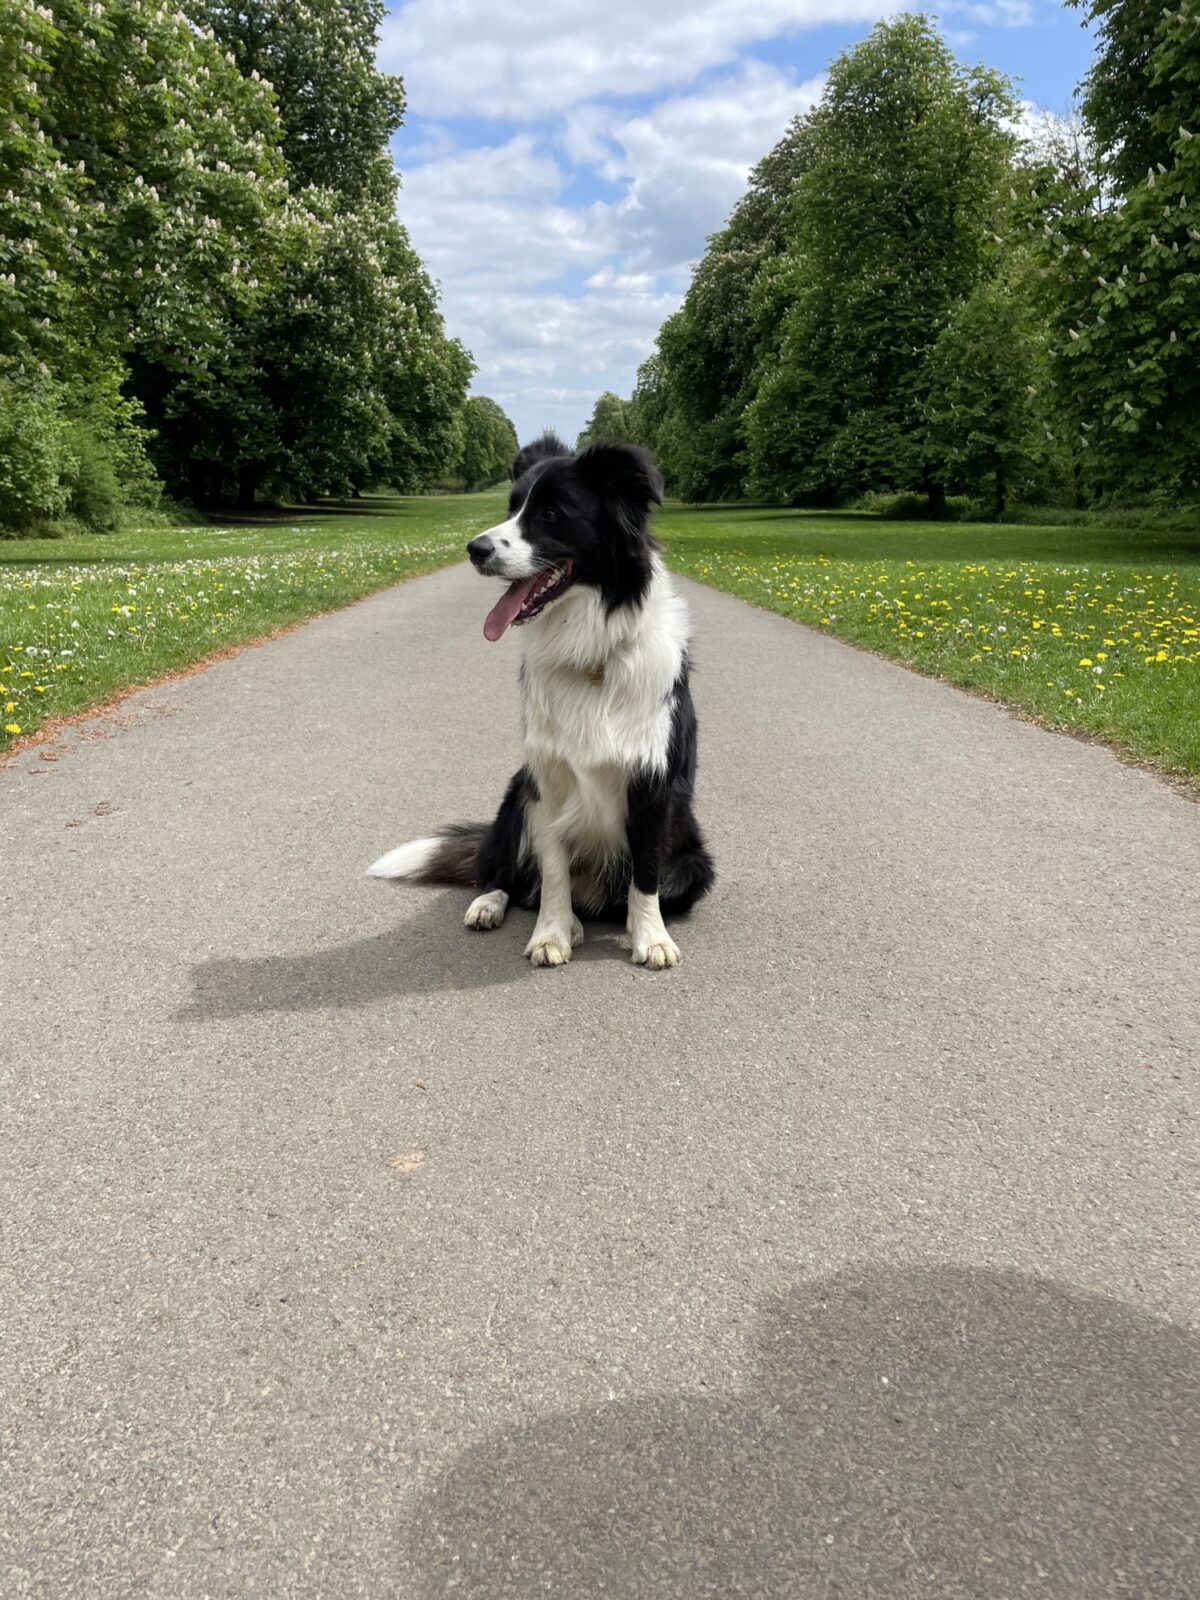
(204,286)
(914,298)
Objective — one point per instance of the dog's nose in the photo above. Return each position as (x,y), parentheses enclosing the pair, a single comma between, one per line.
(480,548)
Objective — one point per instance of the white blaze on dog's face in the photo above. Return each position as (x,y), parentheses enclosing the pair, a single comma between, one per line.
(511,557)
(573,519)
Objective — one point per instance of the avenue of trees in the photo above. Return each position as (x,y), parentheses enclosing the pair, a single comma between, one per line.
(913,299)
(204,286)
(609,420)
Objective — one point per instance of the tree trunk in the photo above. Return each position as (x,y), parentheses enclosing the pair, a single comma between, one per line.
(937,500)
(247,484)
(1001,492)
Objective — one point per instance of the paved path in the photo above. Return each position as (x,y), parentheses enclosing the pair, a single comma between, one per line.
(347,1256)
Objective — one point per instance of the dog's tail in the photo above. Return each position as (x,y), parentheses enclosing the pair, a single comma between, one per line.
(451,856)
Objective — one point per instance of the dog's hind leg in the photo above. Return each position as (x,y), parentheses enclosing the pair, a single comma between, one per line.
(689,873)
(504,868)
(487,910)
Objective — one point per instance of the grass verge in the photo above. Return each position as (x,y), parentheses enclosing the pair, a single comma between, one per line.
(1092,630)
(82,619)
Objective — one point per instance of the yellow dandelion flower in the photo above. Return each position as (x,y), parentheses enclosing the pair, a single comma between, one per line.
(12,727)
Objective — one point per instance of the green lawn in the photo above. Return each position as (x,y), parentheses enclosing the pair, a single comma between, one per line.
(1095,630)
(1092,630)
(81,619)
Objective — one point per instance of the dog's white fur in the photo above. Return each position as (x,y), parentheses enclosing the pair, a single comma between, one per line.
(583,738)
(406,861)
(516,556)
(624,722)
(487,910)
(597,705)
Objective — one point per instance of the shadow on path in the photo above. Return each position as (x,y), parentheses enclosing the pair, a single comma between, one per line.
(430,953)
(929,1433)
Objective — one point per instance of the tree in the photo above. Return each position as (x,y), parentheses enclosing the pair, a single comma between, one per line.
(341,375)
(691,399)
(141,190)
(982,428)
(1130,103)
(1122,267)
(608,423)
(338,111)
(155,188)
(423,375)
(645,410)
(489,444)
(893,225)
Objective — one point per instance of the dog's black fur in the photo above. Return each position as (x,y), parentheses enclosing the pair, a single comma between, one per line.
(591,508)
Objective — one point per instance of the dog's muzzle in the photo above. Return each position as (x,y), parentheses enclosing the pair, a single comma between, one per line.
(481,550)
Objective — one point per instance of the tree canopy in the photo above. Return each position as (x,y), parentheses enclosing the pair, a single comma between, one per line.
(203,279)
(489,444)
(608,422)
(910,297)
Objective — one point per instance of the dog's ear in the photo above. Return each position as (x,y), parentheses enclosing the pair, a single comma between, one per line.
(624,471)
(538,450)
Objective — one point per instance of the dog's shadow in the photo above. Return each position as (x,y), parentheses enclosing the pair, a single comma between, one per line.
(428,953)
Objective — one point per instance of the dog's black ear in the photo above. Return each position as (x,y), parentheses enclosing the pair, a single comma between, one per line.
(625,471)
(538,450)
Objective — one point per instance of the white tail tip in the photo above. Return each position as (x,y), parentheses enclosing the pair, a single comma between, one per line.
(405,862)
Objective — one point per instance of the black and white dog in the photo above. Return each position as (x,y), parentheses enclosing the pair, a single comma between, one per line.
(600,816)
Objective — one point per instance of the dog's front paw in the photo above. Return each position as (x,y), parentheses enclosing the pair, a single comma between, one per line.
(487,910)
(657,952)
(551,947)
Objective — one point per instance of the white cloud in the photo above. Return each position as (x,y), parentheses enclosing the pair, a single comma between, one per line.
(687,160)
(506,59)
(490,218)
(991,13)
(1041,127)
(546,293)
(547,357)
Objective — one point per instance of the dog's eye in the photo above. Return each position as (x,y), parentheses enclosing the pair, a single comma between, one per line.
(550,514)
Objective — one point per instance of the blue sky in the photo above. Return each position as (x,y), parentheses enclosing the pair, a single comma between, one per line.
(562,166)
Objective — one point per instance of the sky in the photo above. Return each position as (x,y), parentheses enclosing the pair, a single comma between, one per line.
(562,166)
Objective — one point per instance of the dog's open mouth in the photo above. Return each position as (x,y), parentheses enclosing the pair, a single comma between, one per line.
(527,597)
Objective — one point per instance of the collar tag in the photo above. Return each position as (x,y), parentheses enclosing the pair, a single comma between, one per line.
(596,674)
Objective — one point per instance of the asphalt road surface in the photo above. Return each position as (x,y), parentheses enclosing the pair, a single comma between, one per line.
(346,1255)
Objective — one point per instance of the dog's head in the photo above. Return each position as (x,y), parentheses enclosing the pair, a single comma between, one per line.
(573,519)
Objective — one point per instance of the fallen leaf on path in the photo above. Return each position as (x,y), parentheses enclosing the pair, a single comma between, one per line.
(408,1161)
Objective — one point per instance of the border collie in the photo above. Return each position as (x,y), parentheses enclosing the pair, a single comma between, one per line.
(599,818)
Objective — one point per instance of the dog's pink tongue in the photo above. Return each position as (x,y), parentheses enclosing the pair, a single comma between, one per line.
(504,613)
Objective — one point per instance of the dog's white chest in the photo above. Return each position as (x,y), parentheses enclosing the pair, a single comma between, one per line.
(597,690)
(572,719)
